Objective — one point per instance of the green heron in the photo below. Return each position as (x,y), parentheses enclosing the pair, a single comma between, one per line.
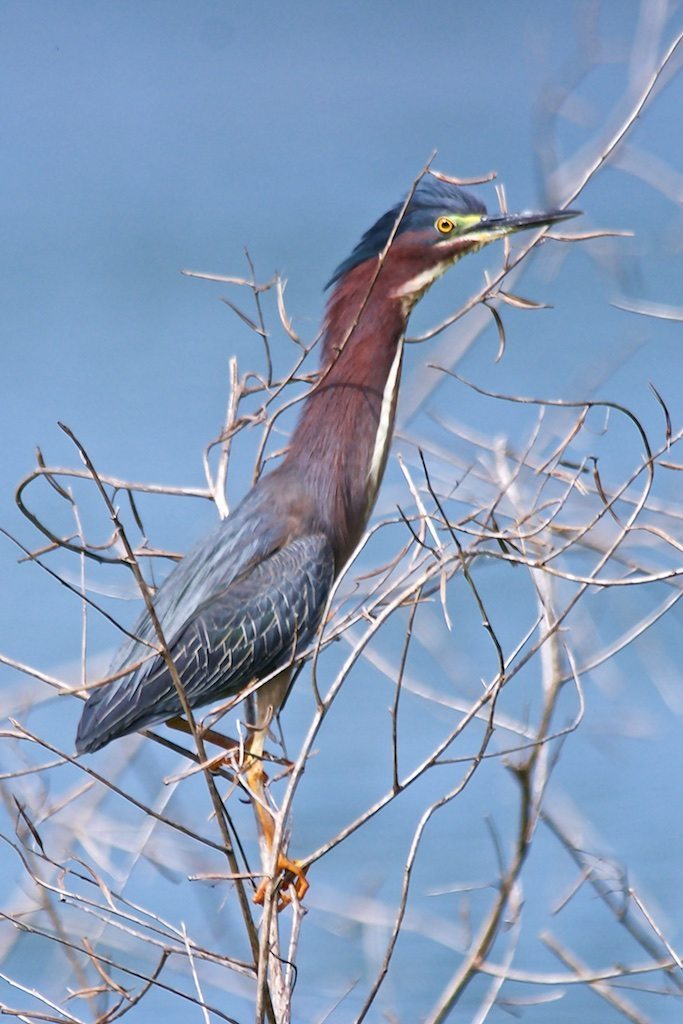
(248,599)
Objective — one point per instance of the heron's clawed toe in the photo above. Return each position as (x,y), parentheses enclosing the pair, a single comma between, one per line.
(293,877)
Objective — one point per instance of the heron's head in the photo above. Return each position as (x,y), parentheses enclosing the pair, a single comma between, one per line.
(441,223)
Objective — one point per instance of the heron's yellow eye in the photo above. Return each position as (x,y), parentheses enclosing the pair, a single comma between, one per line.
(444,225)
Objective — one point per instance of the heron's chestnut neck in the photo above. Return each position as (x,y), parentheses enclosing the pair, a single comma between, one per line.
(340,444)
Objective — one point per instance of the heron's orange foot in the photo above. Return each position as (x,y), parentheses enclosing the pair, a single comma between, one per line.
(293,875)
(220,763)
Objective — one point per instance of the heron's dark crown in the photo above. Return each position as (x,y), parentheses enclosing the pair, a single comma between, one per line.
(431,198)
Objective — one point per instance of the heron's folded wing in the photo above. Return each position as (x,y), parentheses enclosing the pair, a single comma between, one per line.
(239,632)
(246,537)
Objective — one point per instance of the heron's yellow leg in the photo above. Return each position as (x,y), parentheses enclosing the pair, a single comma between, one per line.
(210,735)
(268,701)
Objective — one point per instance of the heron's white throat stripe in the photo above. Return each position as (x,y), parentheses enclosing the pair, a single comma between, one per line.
(386,419)
(417,284)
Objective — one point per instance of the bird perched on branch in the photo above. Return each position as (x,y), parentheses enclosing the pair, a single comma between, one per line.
(247,600)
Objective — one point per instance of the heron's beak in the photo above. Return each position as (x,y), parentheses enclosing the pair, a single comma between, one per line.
(491,227)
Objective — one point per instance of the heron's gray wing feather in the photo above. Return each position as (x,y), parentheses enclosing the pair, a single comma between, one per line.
(231,548)
(240,631)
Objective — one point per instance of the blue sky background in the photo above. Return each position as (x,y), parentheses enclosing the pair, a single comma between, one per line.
(142,138)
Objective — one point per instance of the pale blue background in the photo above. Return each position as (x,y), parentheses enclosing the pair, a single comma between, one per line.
(141,138)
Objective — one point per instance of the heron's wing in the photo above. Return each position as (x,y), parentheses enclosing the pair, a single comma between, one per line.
(240,632)
(247,536)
